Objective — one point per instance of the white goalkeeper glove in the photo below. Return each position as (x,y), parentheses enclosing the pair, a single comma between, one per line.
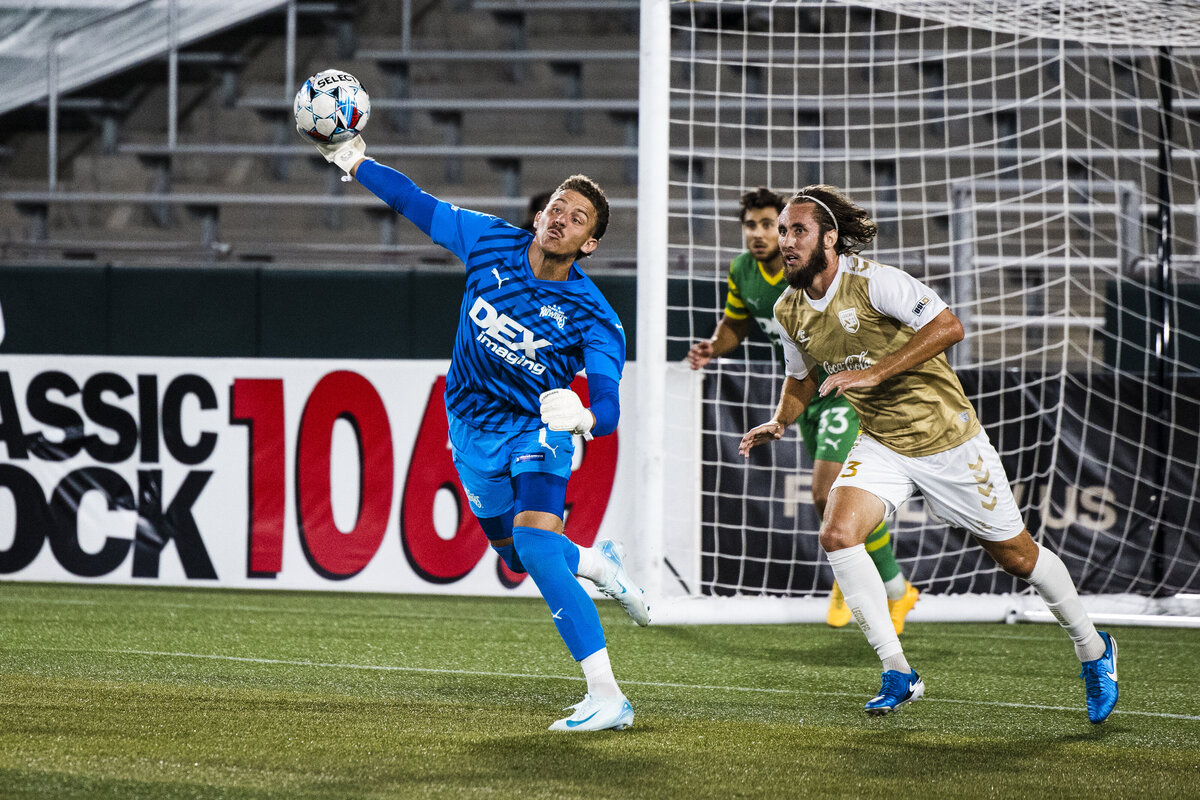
(344,154)
(562,410)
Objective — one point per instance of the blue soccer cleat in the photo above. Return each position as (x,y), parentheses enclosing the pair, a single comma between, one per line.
(597,714)
(618,586)
(898,688)
(1100,680)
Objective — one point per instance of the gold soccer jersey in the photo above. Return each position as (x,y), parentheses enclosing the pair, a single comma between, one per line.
(869,312)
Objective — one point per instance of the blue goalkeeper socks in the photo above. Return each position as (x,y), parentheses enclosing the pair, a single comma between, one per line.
(551,560)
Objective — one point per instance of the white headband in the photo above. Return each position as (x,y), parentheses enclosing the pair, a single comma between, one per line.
(822,205)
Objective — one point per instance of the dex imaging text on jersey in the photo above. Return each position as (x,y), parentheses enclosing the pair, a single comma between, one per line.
(500,334)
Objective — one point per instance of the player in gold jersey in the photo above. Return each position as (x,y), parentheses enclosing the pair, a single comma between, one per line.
(829,425)
(881,335)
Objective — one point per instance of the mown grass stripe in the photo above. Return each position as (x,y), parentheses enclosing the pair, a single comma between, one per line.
(656,684)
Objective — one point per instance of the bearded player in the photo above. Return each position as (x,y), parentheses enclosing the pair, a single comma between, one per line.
(882,336)
(829,425)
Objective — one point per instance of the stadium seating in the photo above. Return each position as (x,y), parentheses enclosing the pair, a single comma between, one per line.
(453,112)
(480,101)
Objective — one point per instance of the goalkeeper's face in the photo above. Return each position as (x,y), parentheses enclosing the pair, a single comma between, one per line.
(564,227)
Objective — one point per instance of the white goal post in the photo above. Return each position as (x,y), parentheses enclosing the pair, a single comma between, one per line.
(1038,164)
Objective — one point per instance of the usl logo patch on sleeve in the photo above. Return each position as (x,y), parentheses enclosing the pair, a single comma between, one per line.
(920,306)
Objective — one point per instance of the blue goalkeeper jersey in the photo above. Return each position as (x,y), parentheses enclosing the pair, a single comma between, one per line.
(517,336)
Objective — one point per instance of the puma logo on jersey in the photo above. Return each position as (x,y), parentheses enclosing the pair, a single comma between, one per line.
(499,281)
(542,441)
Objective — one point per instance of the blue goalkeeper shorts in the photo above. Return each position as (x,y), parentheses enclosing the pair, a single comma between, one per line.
(488,461)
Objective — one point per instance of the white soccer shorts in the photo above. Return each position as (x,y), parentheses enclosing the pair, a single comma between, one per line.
(965,486)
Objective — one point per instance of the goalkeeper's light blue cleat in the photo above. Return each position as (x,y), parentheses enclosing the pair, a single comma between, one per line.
(898,688)
(1100,680)
(597,714)
(616,583)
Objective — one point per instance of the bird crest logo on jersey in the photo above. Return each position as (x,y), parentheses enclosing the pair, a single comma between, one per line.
(555,313)
(849,319)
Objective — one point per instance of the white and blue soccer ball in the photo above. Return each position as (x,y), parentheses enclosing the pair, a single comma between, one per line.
(331,107)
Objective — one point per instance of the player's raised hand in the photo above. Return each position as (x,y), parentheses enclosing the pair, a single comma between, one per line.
(767,432)
(562,410)
(344,154)
(700,354)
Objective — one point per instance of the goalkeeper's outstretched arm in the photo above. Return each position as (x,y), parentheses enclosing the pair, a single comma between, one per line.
(391,186)
(456,229)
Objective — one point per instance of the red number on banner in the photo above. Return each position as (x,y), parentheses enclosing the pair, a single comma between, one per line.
(258,404)
(430,470)
(349,396)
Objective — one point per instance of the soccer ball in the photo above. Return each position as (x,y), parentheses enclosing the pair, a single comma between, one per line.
(331,107)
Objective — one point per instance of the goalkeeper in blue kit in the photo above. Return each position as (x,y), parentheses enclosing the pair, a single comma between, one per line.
(530,320)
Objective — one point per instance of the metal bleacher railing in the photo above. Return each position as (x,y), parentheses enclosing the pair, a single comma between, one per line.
(505,159)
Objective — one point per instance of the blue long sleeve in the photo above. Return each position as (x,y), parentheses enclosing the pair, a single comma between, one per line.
(605,400)
(398,191)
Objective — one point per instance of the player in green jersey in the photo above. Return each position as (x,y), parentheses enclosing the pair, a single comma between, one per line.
(829,425)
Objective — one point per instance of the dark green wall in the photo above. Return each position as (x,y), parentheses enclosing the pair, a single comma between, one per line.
(278,312)
(248,311)
(1133,322)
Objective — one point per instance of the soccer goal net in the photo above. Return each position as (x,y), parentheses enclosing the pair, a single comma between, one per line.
(1037,165)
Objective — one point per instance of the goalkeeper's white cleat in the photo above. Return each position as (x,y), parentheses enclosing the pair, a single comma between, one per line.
(616,583)
(597,714)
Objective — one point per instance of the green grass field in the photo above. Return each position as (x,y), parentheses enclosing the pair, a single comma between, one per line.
(148,692)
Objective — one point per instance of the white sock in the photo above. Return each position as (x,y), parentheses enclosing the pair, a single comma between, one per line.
(896,587)
(867,601)
(1052,581)
(591,564)
(599,674)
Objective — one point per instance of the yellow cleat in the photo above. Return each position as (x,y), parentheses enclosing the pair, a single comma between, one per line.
(839,612)
(899,608)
